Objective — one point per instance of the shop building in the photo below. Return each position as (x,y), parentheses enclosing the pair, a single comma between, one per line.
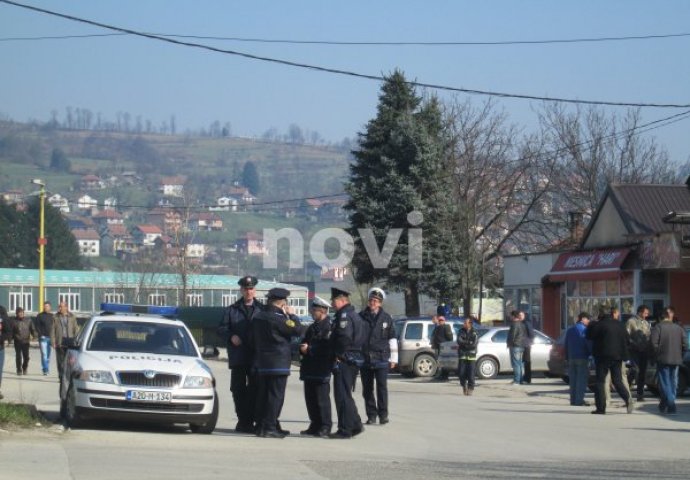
(636,250)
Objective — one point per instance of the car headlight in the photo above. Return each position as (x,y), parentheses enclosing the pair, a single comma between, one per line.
(197,382)
(98,376)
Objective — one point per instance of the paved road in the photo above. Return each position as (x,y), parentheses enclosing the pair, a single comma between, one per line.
(501,432)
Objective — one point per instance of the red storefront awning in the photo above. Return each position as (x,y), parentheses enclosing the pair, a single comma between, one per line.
(588,265)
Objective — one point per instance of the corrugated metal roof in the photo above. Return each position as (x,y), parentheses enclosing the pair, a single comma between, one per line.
(644,206)
(22,276)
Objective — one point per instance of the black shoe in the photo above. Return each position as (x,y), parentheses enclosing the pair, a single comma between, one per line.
(19,373)
(283,432)
(25,372)
(640,398)
(383,420)
(324,433)
(357,431)
(598,412)
(244,428)
(371,421)
(340,435)
(310,432)
(271,434)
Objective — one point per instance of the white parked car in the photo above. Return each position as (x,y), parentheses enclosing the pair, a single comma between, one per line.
(137,367)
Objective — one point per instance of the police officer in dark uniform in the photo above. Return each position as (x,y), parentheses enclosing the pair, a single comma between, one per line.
(347,339)
(271,332)
(234,328)
(380,353)
(315,370)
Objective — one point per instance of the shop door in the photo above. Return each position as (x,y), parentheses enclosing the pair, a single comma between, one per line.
(656,305)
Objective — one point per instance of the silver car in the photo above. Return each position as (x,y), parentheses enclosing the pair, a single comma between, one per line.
(493,356)
(416,357)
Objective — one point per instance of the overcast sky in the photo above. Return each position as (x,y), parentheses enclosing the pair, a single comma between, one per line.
(154,79)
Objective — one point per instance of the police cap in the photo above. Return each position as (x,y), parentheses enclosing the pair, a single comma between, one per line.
(377,293)
(248,282)
(278,293)
(336,292)
(320,302)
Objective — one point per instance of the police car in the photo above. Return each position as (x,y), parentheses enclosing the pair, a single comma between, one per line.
(132,363)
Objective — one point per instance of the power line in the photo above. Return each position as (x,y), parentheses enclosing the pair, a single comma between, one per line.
(368,43)
(345,72)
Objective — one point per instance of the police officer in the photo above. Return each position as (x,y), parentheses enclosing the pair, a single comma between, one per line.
(380,353)
(347,338)
(315,370)
(271,332)
(234,328)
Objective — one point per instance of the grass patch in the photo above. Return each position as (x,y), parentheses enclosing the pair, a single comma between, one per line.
(14,415)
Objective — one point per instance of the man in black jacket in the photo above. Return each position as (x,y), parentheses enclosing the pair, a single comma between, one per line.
(380,354)
(44,324)
(234,329)
(347,339)
(517,339)
(467,355)
(315,370)
(270,334)
(443,332)
(609,348)
(669,342)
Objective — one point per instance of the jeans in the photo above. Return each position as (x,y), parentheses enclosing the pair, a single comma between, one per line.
(603,367)
(578,373)
(516,362)
(2,362)
(668,381)
(466,372)
(44,345)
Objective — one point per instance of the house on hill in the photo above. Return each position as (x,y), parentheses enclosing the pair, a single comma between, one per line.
(91,182)
(146,235)
(172,186)
(88,240)
(225,204)
(108,217)
(86,202)
(58,201)
(117,241)
(252,244)
(207,221)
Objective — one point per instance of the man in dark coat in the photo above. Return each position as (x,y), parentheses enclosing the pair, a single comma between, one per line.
(234,329)
(347,339)
(517,339)
(609,348)
(468,338)
(527,354)
(380,354)
(271,332)
(315,370)
(443,332)
(669,342)
(44,324)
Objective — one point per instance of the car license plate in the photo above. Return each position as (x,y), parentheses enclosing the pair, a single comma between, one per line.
(143,396)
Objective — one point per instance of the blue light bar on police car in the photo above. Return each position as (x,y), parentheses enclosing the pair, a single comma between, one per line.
(168,311)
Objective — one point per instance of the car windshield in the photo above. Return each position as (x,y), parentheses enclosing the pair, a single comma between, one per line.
(140,337)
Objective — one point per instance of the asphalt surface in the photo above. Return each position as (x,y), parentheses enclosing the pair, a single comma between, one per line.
(502,431)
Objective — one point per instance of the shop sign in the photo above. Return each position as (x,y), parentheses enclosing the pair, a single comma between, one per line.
(591,260)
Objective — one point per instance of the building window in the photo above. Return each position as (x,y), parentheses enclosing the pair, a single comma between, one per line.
(228,299)
(19,299)
(114,298)
(157,299)
(195,300)
(73,300)
(299,305)
(653,282)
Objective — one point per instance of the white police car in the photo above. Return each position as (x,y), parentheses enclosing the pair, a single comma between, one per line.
(132,363)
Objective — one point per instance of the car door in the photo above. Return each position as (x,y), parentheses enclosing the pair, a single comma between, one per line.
(541,348)
(411,340)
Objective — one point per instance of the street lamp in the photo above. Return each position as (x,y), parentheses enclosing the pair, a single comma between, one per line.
(41,241)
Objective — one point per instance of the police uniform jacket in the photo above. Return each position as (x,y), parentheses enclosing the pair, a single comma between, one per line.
(236,321)
(271,332)
(467,343)
(377,351)
(317,363)
(348,335)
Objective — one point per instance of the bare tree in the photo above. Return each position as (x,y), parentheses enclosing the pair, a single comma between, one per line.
(499,181)
(594,148)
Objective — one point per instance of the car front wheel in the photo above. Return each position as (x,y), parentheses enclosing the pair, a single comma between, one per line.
(71,412)
(209,425)
(487,368)
(424,365)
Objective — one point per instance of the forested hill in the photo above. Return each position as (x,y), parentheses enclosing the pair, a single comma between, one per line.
(285,170)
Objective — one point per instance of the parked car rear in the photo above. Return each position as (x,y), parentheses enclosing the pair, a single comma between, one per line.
(493,356)
(416,357)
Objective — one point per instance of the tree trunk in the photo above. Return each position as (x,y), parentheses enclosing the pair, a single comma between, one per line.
(412,299)
(467,303)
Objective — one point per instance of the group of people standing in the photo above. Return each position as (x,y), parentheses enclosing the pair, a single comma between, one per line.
(611,343)
(259,338)
(520,339)
(51,330)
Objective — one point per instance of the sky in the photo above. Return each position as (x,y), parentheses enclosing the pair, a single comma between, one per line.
(155,80)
